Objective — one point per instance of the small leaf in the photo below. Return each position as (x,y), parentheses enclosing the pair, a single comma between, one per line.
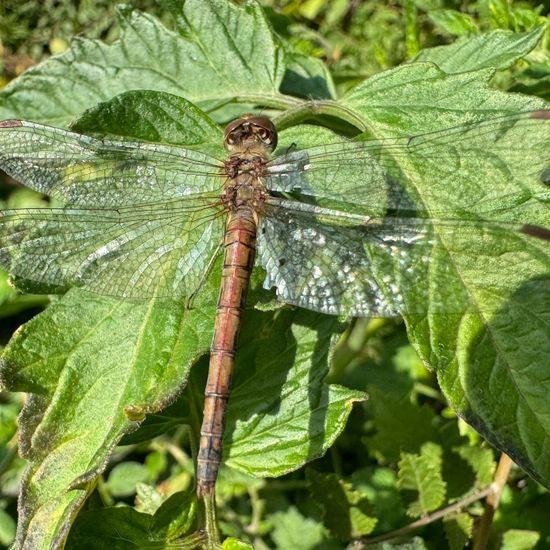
(481,460)
(520,539)
(292,530)
(458,530)
(124,477)
(453,22)
(346,513)
(400,425)
(422,473)
(233,544)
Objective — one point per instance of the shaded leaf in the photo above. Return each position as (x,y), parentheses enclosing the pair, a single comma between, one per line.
(421,473)
(150,116)
(281,414)
(346,513)
(122,527)
(458,530)
(292,530)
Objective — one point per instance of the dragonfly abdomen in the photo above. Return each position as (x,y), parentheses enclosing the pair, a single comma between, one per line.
(240,248)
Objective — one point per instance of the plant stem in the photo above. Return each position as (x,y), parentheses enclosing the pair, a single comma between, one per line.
(209,510)
(430,518)
(491,502)
(313,109)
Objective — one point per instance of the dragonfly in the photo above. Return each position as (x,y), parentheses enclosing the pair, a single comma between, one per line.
(339,228)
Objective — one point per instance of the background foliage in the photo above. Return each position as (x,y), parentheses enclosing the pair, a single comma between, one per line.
(369,482)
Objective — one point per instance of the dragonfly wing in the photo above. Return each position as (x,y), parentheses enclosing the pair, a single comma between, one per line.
(395,266)
(496,164)
(84,171)
(143,251)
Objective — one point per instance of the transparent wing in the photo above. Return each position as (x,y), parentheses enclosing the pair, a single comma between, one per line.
(80,170)
(480,167)
(338,264)
(157,249)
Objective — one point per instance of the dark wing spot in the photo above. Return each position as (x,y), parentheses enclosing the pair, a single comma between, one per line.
(543,113)
(282,262)
(10,123)
(536,231)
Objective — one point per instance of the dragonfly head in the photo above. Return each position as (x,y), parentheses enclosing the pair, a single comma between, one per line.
(250,131)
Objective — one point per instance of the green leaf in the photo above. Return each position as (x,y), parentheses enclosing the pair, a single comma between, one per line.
(379,485)
(346,513)
(498,49)
(292,530)
(7,528)
(400,425)
(458,530)
(481,460)
(150,116)
(222,51)
(519,539)
(453,22)
(281,414)
(234,544)
(307,77)
(122,527)
(124,477)
(434,100)
(86,360)
(421,473)
(491,367)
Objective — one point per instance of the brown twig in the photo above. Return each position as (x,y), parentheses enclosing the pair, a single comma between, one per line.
(430,518)
(491,502)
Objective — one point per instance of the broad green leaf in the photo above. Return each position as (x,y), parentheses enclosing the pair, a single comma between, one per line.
(491,367)
(434,100)
(498,49)
(90,363)
(281,414)
(122,527)
(421,473)
(458,530)
(150,116)
(346,513)
(222,51)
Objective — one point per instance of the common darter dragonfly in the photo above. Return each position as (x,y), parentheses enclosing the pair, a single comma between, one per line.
(340,228)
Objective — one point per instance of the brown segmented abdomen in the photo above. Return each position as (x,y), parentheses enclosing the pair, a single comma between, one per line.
(240,248)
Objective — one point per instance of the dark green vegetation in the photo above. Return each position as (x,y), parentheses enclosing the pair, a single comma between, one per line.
(95,366)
